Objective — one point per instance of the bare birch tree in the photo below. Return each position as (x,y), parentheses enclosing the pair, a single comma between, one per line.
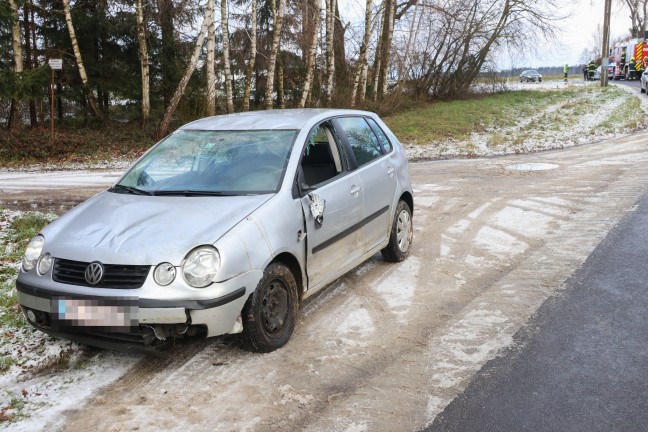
(144,63)
(278,14)
(330,50)
(385,51)
(16,45)
(226,58)
(175,100)
(211,62)
(312,51)
(253,51)
(360,74)
(94,107)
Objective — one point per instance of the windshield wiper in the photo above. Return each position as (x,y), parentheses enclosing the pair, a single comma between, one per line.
(130,189)
(192,193)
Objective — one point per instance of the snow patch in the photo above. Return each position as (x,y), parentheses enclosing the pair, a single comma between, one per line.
(526,222)
(499,243)
(289,395)
(358,322)
(398,288)
(532,167)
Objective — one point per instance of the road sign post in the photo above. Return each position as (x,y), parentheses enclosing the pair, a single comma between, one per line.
(54,64)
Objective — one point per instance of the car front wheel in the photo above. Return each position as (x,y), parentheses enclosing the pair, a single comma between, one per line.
(270,313)
(400,237)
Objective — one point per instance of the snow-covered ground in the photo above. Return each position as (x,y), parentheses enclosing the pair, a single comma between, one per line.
(552,127)
(32,393)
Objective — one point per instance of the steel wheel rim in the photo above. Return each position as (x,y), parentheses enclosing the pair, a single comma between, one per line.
(274,307)
(404,231)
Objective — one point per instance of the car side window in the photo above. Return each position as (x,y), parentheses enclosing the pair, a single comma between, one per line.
(364,143)
(322,159)
(386,144)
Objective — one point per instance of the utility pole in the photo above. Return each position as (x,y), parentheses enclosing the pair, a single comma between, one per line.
(605,49)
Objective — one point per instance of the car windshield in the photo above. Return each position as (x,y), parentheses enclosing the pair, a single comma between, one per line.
(533,72)
(202,162)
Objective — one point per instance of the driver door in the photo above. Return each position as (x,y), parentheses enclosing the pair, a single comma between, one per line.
(332,207)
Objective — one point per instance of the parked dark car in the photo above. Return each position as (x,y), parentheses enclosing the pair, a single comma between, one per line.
(530,75)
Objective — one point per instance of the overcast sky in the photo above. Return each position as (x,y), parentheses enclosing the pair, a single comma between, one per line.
(577,35)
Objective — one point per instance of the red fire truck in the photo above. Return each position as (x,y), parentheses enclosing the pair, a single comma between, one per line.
(622,55)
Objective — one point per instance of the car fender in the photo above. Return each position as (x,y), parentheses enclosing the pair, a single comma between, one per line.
(275,228)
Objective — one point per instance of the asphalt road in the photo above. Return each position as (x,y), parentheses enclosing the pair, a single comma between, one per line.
(580,364)
(634,83)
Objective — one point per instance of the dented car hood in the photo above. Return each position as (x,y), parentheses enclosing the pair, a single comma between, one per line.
(144,230)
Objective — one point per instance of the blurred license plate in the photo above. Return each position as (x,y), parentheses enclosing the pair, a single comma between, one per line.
(105,314)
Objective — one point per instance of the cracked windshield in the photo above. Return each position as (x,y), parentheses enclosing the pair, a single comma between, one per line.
(212,162)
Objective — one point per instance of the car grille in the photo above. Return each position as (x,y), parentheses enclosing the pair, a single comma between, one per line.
(115,275)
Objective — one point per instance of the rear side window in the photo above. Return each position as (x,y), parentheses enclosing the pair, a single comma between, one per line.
(364,143)
(381,135)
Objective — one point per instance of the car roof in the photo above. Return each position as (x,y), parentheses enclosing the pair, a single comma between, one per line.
(270,119)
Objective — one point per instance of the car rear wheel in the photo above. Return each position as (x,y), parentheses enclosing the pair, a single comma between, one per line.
(270,313)
(400,237)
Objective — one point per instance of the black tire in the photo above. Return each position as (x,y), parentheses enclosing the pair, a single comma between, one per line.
(400,237)
(270,314)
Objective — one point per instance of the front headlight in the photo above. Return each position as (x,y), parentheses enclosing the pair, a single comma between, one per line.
(164,274)
(33,252)
(200,266)
(44,264)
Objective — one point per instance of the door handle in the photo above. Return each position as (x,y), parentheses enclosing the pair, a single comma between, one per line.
(390,171)
(355,189)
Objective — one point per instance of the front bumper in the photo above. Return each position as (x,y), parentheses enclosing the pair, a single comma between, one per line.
(218,315)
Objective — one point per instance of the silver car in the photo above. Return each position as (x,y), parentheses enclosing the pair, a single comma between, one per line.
(223,227)
(644,82)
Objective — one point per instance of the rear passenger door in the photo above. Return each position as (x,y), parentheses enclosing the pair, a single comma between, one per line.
(333,237)
(372,154)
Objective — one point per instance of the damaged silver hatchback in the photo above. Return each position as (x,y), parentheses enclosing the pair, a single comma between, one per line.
(223,227)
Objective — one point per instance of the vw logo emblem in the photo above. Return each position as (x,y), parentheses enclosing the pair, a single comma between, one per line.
(94,273)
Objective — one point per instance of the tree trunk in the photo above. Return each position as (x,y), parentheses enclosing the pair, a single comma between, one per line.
(341,80)
(311,57)
(16,45)
(33,118)
(253,51)
(363,58)
(168,50)
(144,64)
(377,57)
(280,84)
(211,61)
(226,58)
(175,100)
(278,14)
(385,52)
(330,50)
(94,107)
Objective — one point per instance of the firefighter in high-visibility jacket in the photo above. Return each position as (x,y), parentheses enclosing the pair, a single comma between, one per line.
(566,71)
(632,69)
(591,68)
(623,58)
